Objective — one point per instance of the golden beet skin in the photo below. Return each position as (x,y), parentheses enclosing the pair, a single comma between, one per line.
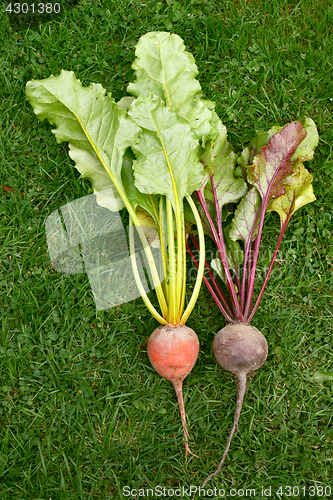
(173,351)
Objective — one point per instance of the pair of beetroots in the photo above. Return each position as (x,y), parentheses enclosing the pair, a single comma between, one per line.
(239,348)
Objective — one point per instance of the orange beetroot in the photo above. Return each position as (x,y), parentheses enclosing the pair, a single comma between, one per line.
(173,351)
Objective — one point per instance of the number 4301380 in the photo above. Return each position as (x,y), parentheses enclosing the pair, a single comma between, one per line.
(33,8)
(310,491)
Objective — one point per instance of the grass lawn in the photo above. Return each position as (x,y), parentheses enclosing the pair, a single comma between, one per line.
(82,412)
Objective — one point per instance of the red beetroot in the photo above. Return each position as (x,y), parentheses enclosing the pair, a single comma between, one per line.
(240,349)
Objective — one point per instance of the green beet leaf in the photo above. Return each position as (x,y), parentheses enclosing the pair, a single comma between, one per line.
(147,201)
(305,150)
(90,167)
(163,67)
(273,163)
(219,162)
(298,192)
(246,221)
(260,140)
(145,205)
(98,132)
(166,151)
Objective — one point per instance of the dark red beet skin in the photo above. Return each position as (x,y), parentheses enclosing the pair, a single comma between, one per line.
(240,349)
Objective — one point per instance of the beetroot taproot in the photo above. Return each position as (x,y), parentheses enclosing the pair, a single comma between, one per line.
(240,349)
(173,351)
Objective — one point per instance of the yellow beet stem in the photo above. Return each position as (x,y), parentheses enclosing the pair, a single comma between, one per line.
(201,267)
(164,263)
(172,273)
(184,270)
(137,278)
